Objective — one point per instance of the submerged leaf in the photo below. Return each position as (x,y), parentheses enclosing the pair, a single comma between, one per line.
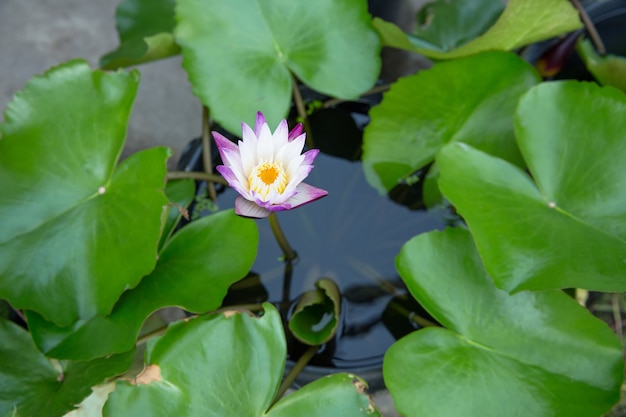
(522,23)
(444,25)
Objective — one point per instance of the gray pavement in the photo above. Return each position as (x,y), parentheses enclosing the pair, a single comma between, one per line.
(38,34)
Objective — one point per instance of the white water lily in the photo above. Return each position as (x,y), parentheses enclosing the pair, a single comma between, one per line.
(267,169)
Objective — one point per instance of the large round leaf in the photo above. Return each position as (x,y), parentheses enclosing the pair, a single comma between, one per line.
(194,271)
(230,364)
(217,365)
(568,230)
(536,354)
(69,218)
(145,31)
(31,385)
(471,99)
(239,53)
(522,22)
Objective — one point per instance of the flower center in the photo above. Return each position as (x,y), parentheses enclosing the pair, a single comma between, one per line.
(267,173)
(266,177)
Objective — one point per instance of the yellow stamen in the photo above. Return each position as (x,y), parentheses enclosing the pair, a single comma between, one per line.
(267,173)
(266,177)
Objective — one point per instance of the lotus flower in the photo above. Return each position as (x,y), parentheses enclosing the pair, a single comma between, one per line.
(267,169)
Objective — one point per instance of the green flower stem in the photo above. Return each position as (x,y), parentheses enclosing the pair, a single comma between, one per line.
(211,178)
(289,253)
(297,98)
(287,283)
(206,152)
(293,373)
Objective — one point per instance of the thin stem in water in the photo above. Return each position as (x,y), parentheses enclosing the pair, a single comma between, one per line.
(591,28)
(293,373)
(289,253)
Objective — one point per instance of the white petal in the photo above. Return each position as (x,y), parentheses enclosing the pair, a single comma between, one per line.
(248,157)
(247,208)
(289,151)
(280,134)
(292,167)
(248,135)
(306,194)
(265,146)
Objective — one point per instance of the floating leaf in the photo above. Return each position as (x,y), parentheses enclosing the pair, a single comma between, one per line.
(228,364)
(145,30)
(568,230)
(330,46)
(31,385)
(533,353)
(523,22)
(471,99)
(444,25)
(316,316)
(333,395)
(608,69)
(194,271)
(68,218)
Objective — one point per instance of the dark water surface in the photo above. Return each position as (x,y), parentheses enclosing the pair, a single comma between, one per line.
(351,236)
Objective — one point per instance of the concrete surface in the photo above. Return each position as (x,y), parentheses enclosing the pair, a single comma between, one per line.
(38,34)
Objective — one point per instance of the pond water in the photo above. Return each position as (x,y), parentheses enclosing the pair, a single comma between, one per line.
(351,236)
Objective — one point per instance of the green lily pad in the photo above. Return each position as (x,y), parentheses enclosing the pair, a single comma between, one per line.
(532,353)
(145,31)
(228,364)
(316,316)
(608,69)
(568,230)
(32,385)
(471,99)
(194,271)
(444,25)
(333,395)
(68,217)
(521,23)
(240,54)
